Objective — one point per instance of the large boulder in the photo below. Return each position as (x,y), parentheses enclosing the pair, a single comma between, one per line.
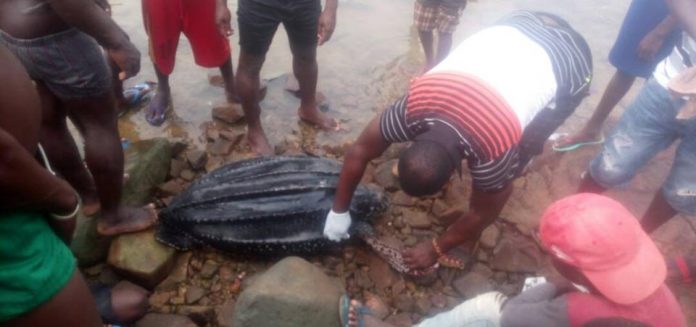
(147,164)
(139,257)
(291,293)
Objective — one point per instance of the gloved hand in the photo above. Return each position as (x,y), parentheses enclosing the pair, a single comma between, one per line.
(336,226)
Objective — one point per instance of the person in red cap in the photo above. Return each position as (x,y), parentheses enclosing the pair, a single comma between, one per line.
(484,104)
(614,276)
(206,24)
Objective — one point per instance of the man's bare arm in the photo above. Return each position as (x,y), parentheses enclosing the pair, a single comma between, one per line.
(684,10)
(652,42)
(369,145)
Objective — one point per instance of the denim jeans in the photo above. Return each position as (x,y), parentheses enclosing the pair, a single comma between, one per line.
(648,126)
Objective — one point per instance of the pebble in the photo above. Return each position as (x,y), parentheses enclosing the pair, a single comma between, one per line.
(193,294)
(196,159)
(188,175)
(209,269)
(423,305)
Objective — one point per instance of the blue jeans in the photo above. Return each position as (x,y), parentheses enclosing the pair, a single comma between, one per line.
(648,126)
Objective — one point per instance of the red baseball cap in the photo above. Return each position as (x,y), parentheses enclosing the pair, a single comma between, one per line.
(606,243)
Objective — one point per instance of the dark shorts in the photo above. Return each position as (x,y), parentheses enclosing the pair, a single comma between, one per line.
(259,20)
(70,63)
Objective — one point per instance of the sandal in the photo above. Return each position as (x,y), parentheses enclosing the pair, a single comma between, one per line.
(158,119)
(456,258)
(137,95)
(573,146)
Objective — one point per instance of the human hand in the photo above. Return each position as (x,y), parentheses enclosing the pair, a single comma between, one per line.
(649,46)
(127,58)
(327,24)
(336,226)
(223,20)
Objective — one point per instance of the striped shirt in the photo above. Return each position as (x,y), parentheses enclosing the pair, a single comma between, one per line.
(490,88)
(682,57)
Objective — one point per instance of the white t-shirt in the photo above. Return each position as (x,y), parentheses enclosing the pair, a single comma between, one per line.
(509,62)
(682,56)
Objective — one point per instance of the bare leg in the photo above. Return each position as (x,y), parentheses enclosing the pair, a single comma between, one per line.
(444,45)
(304,65)
(158,106)
(248,90)
(426,39)
(658,213)
(72,306)
(117,86)
(227,73)
(62,151)
(367,319)
(96,120)
(618,87)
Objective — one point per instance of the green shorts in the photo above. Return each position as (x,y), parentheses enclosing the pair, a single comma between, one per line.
(34,263)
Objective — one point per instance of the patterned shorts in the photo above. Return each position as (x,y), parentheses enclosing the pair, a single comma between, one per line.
(428,17)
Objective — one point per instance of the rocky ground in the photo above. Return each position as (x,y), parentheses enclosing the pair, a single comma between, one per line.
(202,287)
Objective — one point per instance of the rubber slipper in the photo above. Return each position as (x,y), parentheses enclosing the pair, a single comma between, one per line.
(102,296)
(158,119)
(344,312)
(573,146)
(456,258)
(138,94)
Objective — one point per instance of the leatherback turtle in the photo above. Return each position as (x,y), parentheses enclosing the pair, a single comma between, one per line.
(269,206)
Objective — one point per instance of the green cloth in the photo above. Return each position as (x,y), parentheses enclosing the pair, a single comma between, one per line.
(34,263)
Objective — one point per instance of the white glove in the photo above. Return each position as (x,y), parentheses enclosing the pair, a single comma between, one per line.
(336,227)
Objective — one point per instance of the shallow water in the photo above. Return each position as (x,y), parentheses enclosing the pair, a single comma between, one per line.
(366,65)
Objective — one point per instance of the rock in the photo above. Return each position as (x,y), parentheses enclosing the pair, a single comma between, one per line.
(221,147)
(405,303)
(188,175)
(171,187)
(472,284)
(482,270)
(140,257)
(423,305)
(147,164)
(200,314)
(400,198)
(416,219)
(438,300)
(175,167)
(214,163)
(108,276)
(381,273)
(439,208)
(210,267)
(449,216)
(225,313)
(489,237)
(196,159)
(232,137)
(179,273)
(231,113)
(400,320)
(159,299)
(193,294)
(291,293)
(212,134)
(87,245)
(384,177)
(516,254)
(164,320)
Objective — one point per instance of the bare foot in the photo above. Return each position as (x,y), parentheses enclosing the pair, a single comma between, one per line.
(127,220)
(358,313)
(259,143)
(156,111)
(317,118)
(421,256)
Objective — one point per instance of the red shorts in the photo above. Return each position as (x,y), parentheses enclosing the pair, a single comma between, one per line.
(166,19)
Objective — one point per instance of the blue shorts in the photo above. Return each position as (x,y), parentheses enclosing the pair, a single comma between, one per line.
(648,126)
(642,17)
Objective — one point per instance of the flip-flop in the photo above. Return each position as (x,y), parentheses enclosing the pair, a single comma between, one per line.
(158,119)
(137,95)
(573,146)
(102,296)
(456,258)
(344,312)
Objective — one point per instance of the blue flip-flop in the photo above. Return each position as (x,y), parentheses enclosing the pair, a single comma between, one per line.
(573,146)
(344,311)
(138,94)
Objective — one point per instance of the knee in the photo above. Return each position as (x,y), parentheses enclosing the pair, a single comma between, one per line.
(607,173)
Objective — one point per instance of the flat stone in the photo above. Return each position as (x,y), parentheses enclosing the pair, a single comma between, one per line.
(231,113)
(139,257)
(196,159)
(232,137)
(175,167)
(221,147)
(472,284)
(147,164)
(164,320)
(400,198)
(516,254)
(194,293)
(381,273)
(210,267)
(291,293)
(225,313)
(489,237)
(188,175)
(416,219)
(171,187)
